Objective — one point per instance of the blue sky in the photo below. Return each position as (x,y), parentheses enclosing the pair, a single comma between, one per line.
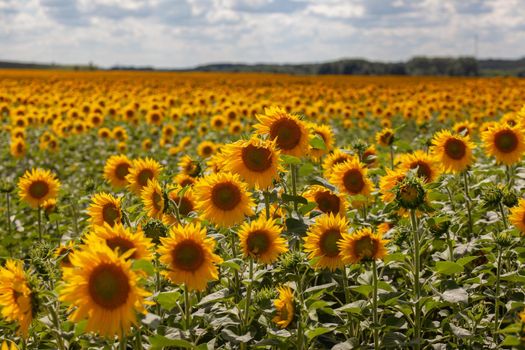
(185,33)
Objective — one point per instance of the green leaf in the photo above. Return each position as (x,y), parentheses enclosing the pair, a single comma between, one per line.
(511,340)
(289,160)
(306,169)
(448,267)
(307,207)
(144,265)
(466,259)
(317,142)
(214,297)
(289,198)
(168,300)
(160,341)
(364,290)
(231,264)
(458,295)
(355,307)
(312,333)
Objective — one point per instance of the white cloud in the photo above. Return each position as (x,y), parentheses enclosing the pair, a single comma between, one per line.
(182,33)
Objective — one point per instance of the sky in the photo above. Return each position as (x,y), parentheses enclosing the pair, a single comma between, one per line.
(186,33)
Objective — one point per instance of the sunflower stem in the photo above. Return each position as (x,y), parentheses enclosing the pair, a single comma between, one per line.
(450,246)
(187,307)
(294,185)
(508,171)
(8,202)
(468,199)
(345,285)
(236,278)
(56,323)
(123,341)
(266,195)
(374,306)
(496,296)
(300,331)
(417,286)
(40,223)
(503,216)
(392,157)
(248,296)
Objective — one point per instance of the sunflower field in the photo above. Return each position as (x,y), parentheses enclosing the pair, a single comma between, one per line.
(250,211)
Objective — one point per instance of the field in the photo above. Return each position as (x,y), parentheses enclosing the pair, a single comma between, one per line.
(252,211)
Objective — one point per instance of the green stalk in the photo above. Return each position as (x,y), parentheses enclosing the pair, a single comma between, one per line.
(294,184)
(496,297)
(40,223)
(8,200)
(392,156)
(187,307)
(503,216)
(345,285)
(374,306)
(56,323)
(236,278)
(467,196)
(248,295)
(450,246)
(508,171)
(300,330)
(417,285)
(123,341)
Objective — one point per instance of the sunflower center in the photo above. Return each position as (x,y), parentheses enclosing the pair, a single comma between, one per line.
(39,189)
(157,201)
(109,286)
(110,213)
(386,138)
(120,243)
(353,181)
(122,170)
(365,247)
(257,159)
(144,176)
(258,242)
(506,141)
(287,133)
(328,242)
(455,149)
(207,150)
(225,196)
(327,202)
(188,256)
(185,205)
(423,170)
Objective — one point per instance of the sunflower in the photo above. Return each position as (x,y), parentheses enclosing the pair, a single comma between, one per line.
(385,137)
(362,244)
(153,199)
(335,158)
(218,122)
(350,177)
(102,288)
(261,239)
(504,142)
(37,186)
(17,301)
(255,160)
(326,200)
(452,151)
(321,241)
(206,148)
(104,208)
(289,132)
(185,202)
(189,166)
(326,134)
(116,169)
(184,180)
(63,252)
(284,306)
(388,182)
(223,199)
(465,128)
(140,172)
(17,147)
(121,240)
(426,165)
(188,253)
(369,157)
(517,216)
(119,133)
